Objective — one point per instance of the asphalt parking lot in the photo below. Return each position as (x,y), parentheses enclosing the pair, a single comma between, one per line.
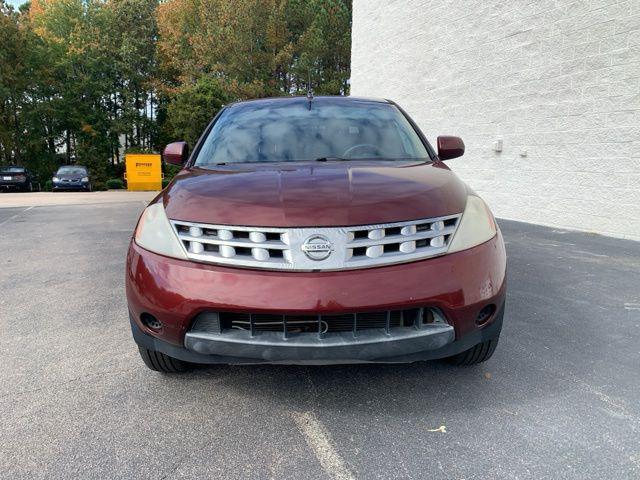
(559,399)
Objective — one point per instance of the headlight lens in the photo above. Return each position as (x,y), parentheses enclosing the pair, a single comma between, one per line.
(154,233)
(55,179)
(85,179)
(476,226)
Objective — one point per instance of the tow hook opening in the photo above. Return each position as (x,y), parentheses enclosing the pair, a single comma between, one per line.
(150,322)
(485,314)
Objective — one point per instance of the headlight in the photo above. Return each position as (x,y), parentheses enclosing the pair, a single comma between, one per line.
(85,179)
(154,233)
(476,226)
(56,179)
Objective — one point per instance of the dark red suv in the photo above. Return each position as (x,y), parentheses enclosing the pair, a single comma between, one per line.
(315,231)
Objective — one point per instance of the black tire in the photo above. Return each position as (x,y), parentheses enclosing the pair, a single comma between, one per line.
(477,354)
(160,362)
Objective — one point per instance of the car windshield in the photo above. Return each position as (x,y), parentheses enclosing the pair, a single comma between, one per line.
(302,131)
(11,170)
(71,171)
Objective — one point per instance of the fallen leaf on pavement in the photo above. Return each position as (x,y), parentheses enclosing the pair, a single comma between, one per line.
(441,428)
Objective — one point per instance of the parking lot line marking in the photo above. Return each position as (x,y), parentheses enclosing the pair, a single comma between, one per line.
(319,439)
(16,215)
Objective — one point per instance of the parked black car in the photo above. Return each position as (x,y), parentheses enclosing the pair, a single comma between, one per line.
(16,178)
(72,177)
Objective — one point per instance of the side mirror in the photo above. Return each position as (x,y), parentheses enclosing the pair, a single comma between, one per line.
(176,153)
(450,147)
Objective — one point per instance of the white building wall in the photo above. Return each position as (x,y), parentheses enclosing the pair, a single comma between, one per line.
(557,81)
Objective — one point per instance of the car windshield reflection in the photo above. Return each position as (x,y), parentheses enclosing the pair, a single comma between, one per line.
(310,132)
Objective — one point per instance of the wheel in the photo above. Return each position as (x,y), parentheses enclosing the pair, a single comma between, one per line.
(475,355)
(160,362)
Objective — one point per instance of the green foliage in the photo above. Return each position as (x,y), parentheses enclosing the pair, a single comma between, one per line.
(115,184)
(193,107)
(170,170)
(115,170)
(81,81)
(267,47)
(99,186)
(137,149)
(48,186)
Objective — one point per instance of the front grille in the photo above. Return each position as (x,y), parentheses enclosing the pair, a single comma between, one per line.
(291,324)
(316,249)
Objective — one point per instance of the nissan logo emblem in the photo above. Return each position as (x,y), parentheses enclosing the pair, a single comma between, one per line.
(317,247)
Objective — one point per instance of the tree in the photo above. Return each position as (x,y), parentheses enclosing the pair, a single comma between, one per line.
(192,108)
(12,70)
(83,80)
(271,43)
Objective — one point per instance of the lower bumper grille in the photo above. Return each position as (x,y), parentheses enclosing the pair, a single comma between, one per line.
(291,324)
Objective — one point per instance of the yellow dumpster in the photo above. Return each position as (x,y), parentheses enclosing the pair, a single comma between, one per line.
(143,171)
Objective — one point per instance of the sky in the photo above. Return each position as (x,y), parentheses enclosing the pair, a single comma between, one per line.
(15,3)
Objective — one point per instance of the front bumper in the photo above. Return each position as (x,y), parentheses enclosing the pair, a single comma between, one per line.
(176,291)
(71,186)
(427,345)
(14,184)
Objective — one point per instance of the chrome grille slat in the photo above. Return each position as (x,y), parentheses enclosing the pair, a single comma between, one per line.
(401,238)
(237,228)
(397,257)
(236,243)
(360,246)
(239,260)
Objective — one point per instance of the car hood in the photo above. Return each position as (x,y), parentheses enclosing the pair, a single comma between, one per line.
(314,194)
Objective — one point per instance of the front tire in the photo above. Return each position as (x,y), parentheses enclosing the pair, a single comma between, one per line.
(160,362)
(476,354)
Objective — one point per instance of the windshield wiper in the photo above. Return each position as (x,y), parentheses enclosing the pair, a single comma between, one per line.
(332,159)
(366,159)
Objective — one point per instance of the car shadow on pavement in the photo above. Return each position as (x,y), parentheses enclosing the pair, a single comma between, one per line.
(387,389)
